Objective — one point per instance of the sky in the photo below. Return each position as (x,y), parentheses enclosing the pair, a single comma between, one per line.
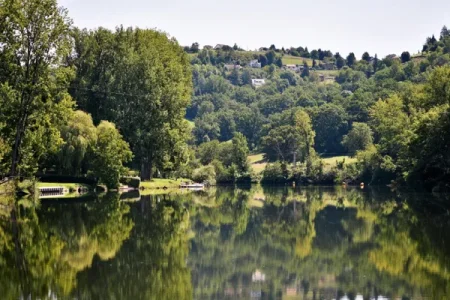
(380,26)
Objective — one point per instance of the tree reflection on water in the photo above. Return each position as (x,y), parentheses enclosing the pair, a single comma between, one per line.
(316,243)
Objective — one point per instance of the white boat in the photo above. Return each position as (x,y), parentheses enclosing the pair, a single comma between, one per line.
(193,186)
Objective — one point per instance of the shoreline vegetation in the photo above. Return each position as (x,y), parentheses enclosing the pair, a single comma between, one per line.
(310,116)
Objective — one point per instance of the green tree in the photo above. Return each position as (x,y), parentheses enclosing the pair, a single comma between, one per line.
(305,71)
(340,62)
(144,84)
(366,56)
(246,77)
(279,62)
(110,154)
(360,137)
(234,77)
(314,54)
(405,56)
(444,33)
(294,140)
(195,48)
(240,152)
(263,60)
(207,152)
(79,136)
(330,124)
(351,59)
(390,123)
(438,88)
(271,56)
(35,40)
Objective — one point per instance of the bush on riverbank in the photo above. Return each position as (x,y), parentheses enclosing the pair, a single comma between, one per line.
(134,182)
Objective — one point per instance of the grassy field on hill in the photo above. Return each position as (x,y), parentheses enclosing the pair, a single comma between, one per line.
(258,163)
(294,60)
(328,72)
(331,162)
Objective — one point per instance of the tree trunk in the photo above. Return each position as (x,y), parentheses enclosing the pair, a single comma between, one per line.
(146,170)
(150,170)
(16,149)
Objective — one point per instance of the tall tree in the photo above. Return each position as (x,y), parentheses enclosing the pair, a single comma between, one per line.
(305,71)
(330,125)
(444,33)
(366,56)
(80,136)
(292,139)
(141,81)
(405,56)
(351,59)
(340,62)
(110,154)
(195,48)
(271,56)
(34,39)
(240,152)
(359,138)
(263,60)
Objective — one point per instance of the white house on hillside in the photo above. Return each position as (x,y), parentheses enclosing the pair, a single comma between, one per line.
(291,67)
(254,64)
(258,82)
(232,67)
(294,68)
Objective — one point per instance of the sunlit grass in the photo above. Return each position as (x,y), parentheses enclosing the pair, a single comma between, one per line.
(295,60)
(257,162)
(159,183)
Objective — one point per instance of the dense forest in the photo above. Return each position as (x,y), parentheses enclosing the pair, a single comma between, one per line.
(105,103)
(391,114)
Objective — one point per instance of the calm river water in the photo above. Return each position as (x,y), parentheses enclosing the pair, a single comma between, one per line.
(224,243)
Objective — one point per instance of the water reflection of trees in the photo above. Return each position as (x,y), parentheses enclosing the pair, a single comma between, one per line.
(152,263)
(42,249)
(79,250)
(321,242)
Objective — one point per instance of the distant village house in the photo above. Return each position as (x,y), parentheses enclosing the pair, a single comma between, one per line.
(254,64)
(323,78)
(258,82)
(294,68)
(232,67)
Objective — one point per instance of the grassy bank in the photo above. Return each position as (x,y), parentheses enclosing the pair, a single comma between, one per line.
(159,183)
(257,162)
(69,186)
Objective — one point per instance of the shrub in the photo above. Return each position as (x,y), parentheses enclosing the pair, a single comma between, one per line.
(223,174)
(205,174)
(275,173)
(134,182)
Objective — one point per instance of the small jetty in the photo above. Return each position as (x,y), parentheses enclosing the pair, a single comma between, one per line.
(55,191)
(192,186)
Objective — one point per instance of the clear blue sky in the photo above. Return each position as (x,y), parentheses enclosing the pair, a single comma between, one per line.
(377,26)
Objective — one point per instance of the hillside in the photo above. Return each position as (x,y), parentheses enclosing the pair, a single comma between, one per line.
(339,109)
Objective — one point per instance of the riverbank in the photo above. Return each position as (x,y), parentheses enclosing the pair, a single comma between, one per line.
(160,183)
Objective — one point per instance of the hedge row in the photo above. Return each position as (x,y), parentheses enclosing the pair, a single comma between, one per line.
(66,179)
